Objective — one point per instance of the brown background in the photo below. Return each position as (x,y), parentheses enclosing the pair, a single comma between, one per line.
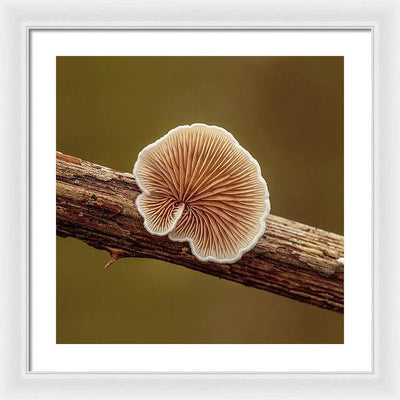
(287,111)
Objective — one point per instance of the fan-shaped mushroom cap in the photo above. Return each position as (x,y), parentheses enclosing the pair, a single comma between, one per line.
(199,185)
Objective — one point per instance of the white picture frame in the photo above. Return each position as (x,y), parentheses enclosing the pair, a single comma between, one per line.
(20,17)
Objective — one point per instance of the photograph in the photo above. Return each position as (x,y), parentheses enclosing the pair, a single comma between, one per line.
(200,200)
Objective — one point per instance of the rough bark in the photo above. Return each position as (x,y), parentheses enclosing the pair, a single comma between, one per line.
(97,205)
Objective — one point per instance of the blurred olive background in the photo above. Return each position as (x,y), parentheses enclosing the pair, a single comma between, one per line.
(287,111)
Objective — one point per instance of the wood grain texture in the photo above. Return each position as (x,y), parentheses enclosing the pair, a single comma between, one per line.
(97,205)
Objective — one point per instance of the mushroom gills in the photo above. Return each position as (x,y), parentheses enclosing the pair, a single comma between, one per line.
(199,185)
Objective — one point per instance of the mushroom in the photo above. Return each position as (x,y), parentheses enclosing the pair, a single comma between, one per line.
(199,185)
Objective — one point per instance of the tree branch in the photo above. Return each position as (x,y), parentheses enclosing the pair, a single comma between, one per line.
(97,205)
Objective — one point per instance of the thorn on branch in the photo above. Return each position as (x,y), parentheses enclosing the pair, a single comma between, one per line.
(115,254)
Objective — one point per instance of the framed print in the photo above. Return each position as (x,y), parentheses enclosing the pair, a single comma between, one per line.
(236,177)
